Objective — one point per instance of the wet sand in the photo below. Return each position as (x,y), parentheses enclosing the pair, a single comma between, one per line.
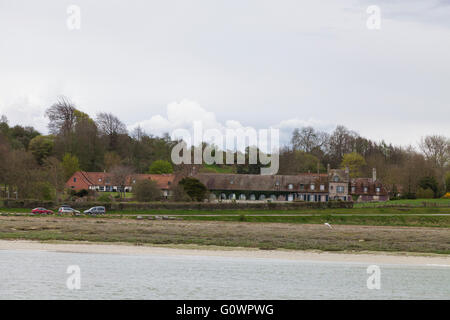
(122,248)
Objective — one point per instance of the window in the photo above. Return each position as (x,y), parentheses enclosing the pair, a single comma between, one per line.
(99,179)
(340,189)
(365,189)
(353,189)
(378,189)
(290,186)
(134,180)
(312,187)
(336,179)
(74,179)
(302,187)
(322,187)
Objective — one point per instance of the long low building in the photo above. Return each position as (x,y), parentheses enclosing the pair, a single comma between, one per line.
(103,181)
(315,187)
(336,184)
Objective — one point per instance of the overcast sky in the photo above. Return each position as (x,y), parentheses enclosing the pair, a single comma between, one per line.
(259,63)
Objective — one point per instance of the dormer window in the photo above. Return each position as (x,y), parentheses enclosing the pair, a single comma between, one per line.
(312,187)
(99,179)
(378,189)
(353,189)
(134,180)
(365,189)
(322,187)
(336,179)
(290,186)
(74,179)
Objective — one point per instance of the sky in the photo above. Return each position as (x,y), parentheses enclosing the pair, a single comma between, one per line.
(249,63)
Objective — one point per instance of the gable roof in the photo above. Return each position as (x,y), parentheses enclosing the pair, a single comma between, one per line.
(255,182)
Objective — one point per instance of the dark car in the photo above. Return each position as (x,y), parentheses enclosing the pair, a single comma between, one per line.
(95,210)
(41,211)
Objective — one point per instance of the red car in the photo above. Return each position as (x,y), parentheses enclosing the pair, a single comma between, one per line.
(41,211)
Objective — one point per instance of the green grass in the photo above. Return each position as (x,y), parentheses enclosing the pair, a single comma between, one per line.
(128,195)
(406,202)
(406,221)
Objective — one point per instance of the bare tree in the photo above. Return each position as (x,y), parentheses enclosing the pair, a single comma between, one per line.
(436,149)
(62,116)
(120,177)
(307,139)
(110,126)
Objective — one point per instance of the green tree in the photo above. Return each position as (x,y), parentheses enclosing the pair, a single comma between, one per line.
(160,166)
(355,162)
(194,188)
(447,181)
(430,183)
(70,165)
(146,190)
(41,147)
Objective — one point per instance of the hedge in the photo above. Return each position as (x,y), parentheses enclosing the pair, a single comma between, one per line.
(183,205)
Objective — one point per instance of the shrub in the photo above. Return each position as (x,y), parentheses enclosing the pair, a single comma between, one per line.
(446,196)
(194,188)
(82,193)
(104,198)
(160,166)
(179,195)
(146,190)
(424,193)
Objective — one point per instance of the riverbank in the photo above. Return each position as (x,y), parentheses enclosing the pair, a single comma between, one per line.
(262,236)
(123,248)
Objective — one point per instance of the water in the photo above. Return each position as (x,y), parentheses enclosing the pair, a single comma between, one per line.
(42,275)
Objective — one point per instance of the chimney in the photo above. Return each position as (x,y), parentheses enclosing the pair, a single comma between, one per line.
(328,168)
(374,174)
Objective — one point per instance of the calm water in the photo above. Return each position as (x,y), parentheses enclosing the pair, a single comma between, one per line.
(42,275)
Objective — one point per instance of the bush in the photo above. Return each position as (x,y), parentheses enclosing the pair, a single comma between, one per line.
(446,196)
(179,195)
(194,188)
(424,193)
(146,190)
(104,198)
(82,193)
(160,166)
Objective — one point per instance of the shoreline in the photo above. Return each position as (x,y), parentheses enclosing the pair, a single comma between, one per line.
(372,257)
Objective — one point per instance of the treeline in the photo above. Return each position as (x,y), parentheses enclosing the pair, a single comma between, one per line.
(37,166)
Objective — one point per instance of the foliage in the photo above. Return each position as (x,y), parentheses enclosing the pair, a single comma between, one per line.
(146,190)
(104,198)
(178,194)
(355,162)
(194,188)
(424,193)
(429,183)
(70,165)
(41,147)
(160,166)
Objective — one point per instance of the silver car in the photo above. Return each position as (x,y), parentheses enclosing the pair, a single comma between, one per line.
(96,210)
(65,209)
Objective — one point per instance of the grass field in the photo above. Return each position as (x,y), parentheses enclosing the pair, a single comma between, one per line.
(225,233)
(407,202)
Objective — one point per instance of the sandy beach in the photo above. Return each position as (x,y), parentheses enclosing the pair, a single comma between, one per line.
(366,257)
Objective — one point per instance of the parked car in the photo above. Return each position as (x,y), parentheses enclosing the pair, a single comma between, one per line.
(41,211)
(96,210)
(66,209)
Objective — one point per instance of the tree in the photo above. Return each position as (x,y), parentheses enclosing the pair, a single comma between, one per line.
(355,162)
(307,139)
(160,166)
(55,175)
(70,165)
(120,176)
(111,160)
(340,142)
(146,190)
(41,147)
(194,188)
(109,125)
(447,181)
(430,183)
(62,116)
